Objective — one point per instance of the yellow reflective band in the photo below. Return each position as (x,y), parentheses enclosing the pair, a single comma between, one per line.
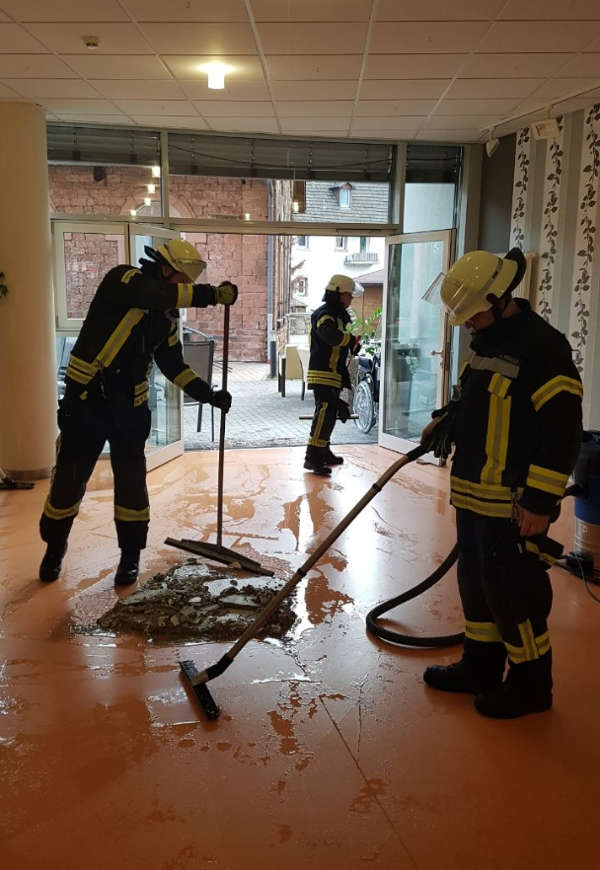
(334,358)
(496,442)
(346,339)
(129,515)
(185,294)
(559,384)
(316,442)
(82,364)
(139,388)
(139,400)
(533,649)
(547,479)
(463,369)
(118,337)
(324,318)
(60,513)
(320,421)
(184,378)
(173,338)
(528,638)
(484,508)
(484,632)
(128,275)
(493,492)
(533,548)
(76,375)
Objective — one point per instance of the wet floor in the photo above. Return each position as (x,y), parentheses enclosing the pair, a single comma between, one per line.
(330,752)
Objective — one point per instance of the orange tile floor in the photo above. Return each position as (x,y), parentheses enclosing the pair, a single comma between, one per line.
(330,752)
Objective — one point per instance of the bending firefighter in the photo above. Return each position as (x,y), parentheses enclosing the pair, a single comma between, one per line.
(327,369)
(132,320)
(516,426)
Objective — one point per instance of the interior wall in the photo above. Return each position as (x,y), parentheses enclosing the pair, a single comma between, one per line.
(495,212)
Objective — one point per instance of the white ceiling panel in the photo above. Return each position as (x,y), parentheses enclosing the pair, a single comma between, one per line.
(582,65)
(131,89)
(65,10)
(244,125)
(550,10)
(477,107)
(319,67)
(172,122)
(156,107)
(190,38)
(199,90)
(117,66)
(463,122)
(33,66)
(594,46)
(35,89)
(441,10)
(311,10)
(397,124)
(61,105)
(99,120)
(8,93)
(315,108)
(3,17)
(316,126)
(14,38)
(230,109)
(407,89)
(187,10)
(559,36)
(388,108)
(449,136)
(395,37)
(492,88)
(114,38)
(241,68)
(345,90)
(338,38)
(573,105)
(555,88)
(413,66)
(513,65)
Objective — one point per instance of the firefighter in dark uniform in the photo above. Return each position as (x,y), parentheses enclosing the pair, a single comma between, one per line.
(516,425)
(132,320)
(330,343)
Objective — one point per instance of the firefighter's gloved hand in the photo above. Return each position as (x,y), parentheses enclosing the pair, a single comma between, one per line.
(221,399)
(226,293)
(440,437)
(343,410)
(356,345)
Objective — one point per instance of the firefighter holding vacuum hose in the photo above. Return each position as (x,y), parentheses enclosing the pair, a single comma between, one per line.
(516,425)
(132,320)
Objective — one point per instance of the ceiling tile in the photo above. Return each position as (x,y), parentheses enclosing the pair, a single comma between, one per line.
(65,10)
(61,105)
(199,90)
(448,122)
(3,17)
(312,10)
(101,120)
(426,37)
(14,38)
(406,89)
(241,68)
(105,66)
(550,10)
(145,89)
(398,124)
(449,136)
(316,126)
(378,133)
(492,88)
(8,93)
(412,66)
(33,66)
(563,87)
(329,38)
(512,65)
(345,90)
(35,89)
(230,109)
(559,36)
(593,46)
(440,10)
(577,103)
(319,67)
(244,125)
(315,108)
(383,108)
(156,107)
(172,122)
(582,65)
(114,38)
(187,10)
(228,38)
(477,107)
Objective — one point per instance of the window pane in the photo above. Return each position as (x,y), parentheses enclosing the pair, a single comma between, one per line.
(103,190)
(87,258)
(429,207)
(366,202)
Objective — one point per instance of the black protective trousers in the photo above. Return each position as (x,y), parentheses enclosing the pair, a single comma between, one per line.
(85,426)
(504,586)
(326,402)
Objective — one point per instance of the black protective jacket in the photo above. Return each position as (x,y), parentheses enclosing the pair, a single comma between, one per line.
(132,320)
(329,345)
(518,424)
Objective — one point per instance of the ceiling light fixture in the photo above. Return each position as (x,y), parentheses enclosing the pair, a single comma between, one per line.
(295,206)
(156,171)
(147,201)
(151,188)
(547,128)
(216,75)
(133,212)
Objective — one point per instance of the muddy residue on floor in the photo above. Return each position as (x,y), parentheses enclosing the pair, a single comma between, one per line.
(195,600)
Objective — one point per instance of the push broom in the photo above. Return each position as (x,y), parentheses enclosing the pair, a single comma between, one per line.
(217,551)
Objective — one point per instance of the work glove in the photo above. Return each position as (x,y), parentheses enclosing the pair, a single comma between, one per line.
(221,399)
(441,437)
(226,293)
(343,410)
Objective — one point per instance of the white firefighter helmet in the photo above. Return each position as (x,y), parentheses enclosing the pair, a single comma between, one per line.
(183,257)
(345,284)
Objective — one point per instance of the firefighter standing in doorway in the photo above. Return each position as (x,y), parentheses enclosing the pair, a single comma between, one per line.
(330,344)
(516,426)
(132,320)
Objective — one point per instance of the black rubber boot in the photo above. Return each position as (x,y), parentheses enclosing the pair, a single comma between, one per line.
(129,566)
(527,689)
(315,461)
(52,562)
(480,669)
(331,458)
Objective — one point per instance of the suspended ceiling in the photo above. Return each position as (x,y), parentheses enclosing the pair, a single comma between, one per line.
(382,69)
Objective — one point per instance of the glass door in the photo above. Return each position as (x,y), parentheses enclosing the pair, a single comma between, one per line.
(416,338)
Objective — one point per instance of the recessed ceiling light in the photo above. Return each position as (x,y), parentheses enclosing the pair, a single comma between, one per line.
(216,75)
(91,41)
